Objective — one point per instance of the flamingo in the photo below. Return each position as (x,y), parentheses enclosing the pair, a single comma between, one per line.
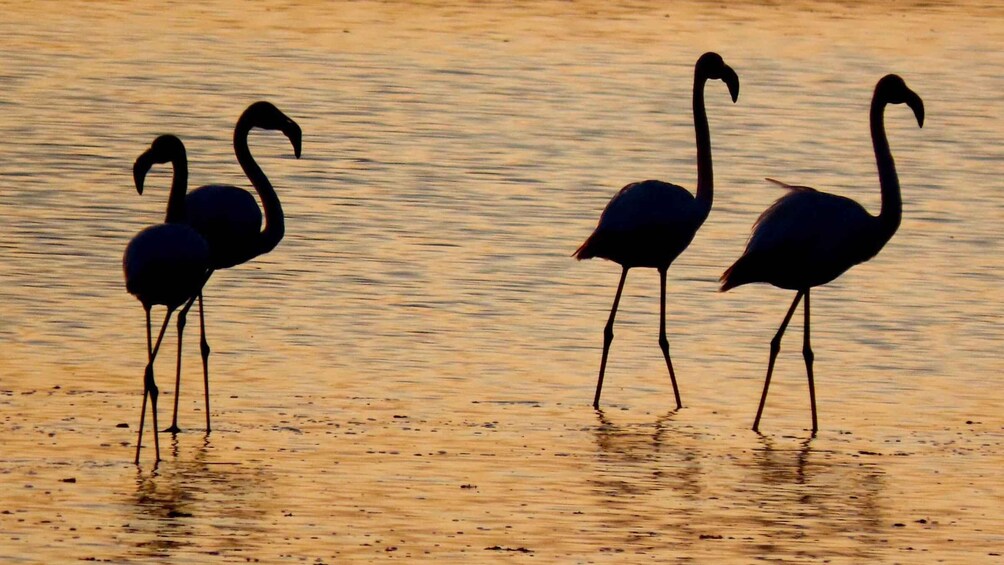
(649,223)
(229,219)
(164,264)
(808,238)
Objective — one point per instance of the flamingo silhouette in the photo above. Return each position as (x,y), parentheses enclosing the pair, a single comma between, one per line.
(165,264)
(229,219)
(649,223)
(808,238)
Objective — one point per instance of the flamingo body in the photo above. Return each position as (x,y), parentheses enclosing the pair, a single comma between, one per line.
(165,264)
(647,224)
(834,233)
(228,218)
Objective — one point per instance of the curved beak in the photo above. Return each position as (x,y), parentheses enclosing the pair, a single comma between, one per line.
(917,105)
(140,169)
(731,79)
(295,135)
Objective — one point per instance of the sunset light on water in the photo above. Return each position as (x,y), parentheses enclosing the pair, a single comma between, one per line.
(408,375)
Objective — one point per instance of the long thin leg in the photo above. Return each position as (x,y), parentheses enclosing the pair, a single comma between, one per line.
(150,385)
(182,320)
(608,337)
(807,353)
(204,346)
(775,347)
(177,378)
(663,342)
(146,385)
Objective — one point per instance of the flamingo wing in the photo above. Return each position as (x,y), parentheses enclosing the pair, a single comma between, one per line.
(230,220)
(805,239)
(165,264)
(646,224)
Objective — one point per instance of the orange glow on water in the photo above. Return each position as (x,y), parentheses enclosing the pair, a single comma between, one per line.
(408,375)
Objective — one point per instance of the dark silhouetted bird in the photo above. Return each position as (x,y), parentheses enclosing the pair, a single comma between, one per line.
(808,238)
(165,264)
(229,219)
(649,223)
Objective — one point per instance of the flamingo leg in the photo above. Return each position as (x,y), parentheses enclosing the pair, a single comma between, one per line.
(775,347)
(182,320)
(204,347)
(808,355)
(608,337)
(146,389)
(663,341)
(150,385)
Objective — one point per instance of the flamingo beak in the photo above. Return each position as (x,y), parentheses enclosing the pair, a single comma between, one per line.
(140,169)
(917,105)
(295,135)
(731,80)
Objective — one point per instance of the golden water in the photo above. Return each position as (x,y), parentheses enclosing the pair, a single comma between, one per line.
(408,375)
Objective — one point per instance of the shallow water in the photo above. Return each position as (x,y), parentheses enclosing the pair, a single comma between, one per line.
(408,375)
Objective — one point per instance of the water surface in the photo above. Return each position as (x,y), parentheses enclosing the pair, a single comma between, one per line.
(408,375)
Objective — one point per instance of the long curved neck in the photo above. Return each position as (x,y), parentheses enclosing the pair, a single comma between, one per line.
(705,176)
(179,186)
(275,225)
(892,204)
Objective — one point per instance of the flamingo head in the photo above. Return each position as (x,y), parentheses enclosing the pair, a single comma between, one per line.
(712,66)
(266,116)
(893,90)
(165,149)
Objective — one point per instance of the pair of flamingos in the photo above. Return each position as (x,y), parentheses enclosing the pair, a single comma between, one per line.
(212,227)
(806,238)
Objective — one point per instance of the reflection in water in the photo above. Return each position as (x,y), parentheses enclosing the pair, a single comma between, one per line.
(199,505)
(644,464)
(811,501)
(637,444)
(663,486)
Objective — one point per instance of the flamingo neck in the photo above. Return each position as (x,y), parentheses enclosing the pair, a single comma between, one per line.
(275,226)
(705,176)
(179,187)
(892,204)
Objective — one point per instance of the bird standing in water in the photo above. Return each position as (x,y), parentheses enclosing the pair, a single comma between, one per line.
(229,219)
(164,264)
(649,223)
(808,238)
